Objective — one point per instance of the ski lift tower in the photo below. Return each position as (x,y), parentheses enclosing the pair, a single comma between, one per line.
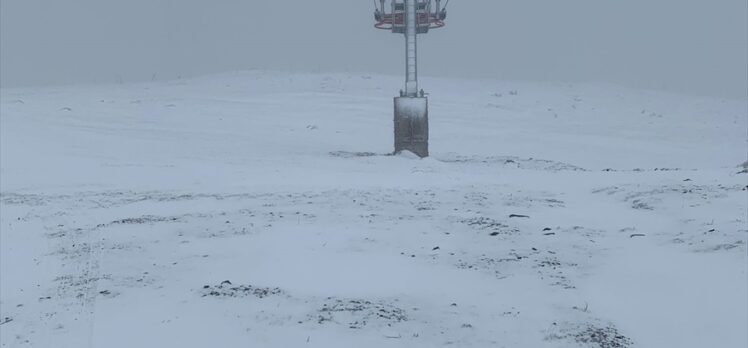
(411,17)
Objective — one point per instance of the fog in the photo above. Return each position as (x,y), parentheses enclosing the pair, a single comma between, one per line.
(687,46)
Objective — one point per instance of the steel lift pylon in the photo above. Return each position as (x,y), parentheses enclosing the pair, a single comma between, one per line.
(411,17)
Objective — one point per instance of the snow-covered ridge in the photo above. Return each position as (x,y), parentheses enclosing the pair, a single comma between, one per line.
(264,209)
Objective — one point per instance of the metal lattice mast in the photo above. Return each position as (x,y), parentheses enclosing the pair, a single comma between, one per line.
(410,17)
(411,48)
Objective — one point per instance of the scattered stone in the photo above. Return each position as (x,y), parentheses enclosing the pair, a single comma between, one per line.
(640,205)
(586,307)
(108,293)
(745,168)
(518,216)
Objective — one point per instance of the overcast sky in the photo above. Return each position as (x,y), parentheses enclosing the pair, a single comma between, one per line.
(692,46)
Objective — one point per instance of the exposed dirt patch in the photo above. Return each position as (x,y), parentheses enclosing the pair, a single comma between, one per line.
(657,197)
(603,337)
(593,336)
(146,219)
(553,270)
(494,227)
(348,154)
(357,314)
(226,289)
(722,247)
(496,266)
(513,161)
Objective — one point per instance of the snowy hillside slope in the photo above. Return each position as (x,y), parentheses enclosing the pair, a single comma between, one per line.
(260,209)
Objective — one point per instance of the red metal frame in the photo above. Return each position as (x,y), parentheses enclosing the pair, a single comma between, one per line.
(388,21)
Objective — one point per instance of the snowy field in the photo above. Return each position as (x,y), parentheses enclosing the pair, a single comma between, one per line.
(261,209)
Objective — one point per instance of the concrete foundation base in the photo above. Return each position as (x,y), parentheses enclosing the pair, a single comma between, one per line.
(412,125)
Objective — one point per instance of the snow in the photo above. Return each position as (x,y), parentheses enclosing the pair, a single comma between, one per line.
(549,215)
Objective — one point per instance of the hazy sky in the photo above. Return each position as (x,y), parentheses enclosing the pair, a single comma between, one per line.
(693,46)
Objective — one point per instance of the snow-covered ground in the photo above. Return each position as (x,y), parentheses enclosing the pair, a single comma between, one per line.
(261,209)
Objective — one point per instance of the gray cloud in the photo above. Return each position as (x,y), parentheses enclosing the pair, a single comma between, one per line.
(691,46)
